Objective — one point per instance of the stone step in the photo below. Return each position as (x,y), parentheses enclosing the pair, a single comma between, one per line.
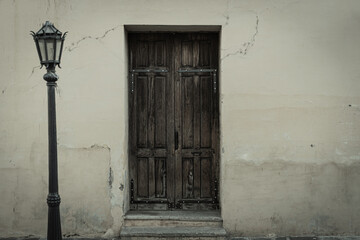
(173,219)
(184,233)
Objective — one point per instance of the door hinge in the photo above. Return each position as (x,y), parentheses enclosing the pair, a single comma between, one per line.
(215,200)
(132,191)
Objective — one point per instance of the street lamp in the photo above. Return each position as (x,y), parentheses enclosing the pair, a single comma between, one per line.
(49,44)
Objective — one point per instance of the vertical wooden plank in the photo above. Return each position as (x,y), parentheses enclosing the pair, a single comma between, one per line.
(160,53)
(214,61)
(143,177)
(205,177)
(197,176)
(160,177)
(197,136)
(151,46)
(150,112)
(170,112)
(142,54)
(188,112)
(187,53)
(177,165)
(206,110)
(195,53)
(160,111)
(132,117)
(188,177)
(141,110)
(151,177)
(204,53)
(197,114)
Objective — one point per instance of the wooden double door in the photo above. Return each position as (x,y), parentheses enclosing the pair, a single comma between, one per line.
(173,121)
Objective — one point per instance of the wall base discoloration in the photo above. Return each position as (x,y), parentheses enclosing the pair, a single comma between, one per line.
(286,198)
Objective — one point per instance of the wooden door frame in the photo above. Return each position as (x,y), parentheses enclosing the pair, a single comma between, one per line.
(171,29)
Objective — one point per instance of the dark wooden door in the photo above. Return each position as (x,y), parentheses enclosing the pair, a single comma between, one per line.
(173,120)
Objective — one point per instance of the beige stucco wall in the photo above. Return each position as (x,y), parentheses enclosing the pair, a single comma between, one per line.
(290,113)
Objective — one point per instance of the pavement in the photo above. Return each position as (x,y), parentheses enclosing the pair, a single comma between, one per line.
(230,238)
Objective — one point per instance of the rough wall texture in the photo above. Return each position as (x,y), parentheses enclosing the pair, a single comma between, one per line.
(290,113)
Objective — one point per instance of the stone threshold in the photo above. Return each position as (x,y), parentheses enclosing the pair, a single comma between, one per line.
(162,232)
(174,215)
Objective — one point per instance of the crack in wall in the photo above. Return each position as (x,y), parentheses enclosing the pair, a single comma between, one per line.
(111,179)
(33,71)
(247,45)
(48,6)
(226,15)
(75,45)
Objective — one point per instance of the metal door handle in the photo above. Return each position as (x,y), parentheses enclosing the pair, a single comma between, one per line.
(176,140)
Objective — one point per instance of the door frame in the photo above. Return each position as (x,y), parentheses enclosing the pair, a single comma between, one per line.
(170,29)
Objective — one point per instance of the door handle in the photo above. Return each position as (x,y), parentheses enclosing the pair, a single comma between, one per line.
(176,140)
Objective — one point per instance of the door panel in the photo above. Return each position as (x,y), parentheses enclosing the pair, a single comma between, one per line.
(173,121)
(150,104)
(195,94)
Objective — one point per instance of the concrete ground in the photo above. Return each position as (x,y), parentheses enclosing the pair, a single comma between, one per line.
(230,238)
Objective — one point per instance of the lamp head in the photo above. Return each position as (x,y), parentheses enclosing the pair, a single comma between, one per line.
(49,43)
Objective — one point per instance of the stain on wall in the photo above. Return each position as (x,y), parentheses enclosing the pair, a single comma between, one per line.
(84,190)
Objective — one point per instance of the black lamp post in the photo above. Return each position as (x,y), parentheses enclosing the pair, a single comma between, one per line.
(49,44)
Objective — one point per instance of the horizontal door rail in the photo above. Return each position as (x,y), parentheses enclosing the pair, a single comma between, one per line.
(144,70)
(215,204)
(147,152)
(202,70)
(149,70)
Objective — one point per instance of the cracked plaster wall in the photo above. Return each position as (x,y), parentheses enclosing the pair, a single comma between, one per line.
(290,109)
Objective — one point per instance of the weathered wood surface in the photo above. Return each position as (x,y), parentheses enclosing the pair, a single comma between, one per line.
(164,106)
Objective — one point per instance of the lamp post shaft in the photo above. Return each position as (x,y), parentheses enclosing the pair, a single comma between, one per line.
(53,199)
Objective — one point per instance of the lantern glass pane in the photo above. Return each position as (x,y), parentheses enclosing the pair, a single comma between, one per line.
(42,49)
(50,49)
(58,47)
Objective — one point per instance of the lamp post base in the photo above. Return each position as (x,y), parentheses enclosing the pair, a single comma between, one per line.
(54,224)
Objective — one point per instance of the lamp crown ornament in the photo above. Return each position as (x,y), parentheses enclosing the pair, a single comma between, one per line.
(49,43)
